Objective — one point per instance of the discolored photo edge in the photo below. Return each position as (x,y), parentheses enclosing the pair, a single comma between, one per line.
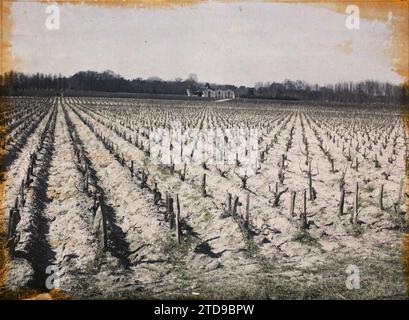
(370,10)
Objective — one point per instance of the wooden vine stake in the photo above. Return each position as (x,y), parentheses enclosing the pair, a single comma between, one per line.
(399,197)
(381,198)
(86,182)
(304,223)
(228,204)
(356,204)
(104,226)
(23,200)
(177,220)
(99,225)
(247,221)
(204,194)
(341,201)
(95,205)
(235,205)
(167,201)
(170,215)
(292,202)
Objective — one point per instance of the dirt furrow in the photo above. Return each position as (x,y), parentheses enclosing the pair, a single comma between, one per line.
(222,238)
(143,230)
(17,170)
(68,213)
(31,250)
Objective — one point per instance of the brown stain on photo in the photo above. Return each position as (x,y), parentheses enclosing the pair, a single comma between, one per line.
(4,258)
(5,65)
(375,10)
(395,15)
(345,46)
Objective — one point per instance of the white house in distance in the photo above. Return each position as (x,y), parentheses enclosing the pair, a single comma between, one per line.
(209,92)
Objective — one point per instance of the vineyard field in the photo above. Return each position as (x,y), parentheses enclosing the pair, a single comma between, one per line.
(122,197)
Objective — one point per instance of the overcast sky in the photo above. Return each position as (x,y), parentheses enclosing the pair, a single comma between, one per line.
(236,43)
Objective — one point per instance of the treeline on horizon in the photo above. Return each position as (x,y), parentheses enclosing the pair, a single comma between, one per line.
(17,83)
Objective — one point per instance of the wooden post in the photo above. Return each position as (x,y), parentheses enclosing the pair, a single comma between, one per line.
(381,198)
(99,224)
(376,162)
(169,210)
(86,182)
(356,203)
(310,181)
(247,210)
(228,204)
(184,172)
(177,219)
(171,214)
(144,179)
(341,202)
(304,223)
(104,225)
(14,218)
(10,224)
(167,206)
(132,168)
(235,205)
(399,198)
(292,204)
(28,175)
(156,195)
(95,202)
(204,194)
(22,193)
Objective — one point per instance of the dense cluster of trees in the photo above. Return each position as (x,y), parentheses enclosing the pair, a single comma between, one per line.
(108,81)
(365,91)
(369,90)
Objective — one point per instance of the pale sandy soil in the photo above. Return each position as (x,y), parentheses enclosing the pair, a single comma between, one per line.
(22,272)
(68,213)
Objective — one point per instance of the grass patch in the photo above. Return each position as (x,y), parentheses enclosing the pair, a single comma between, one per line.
(194,197)
(369,188)
(175,252)
(305,238)
(207,216)
(252,249)
(357,230)
(378,280)
(398,220)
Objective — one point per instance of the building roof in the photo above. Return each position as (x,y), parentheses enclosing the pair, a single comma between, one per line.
(212,89)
